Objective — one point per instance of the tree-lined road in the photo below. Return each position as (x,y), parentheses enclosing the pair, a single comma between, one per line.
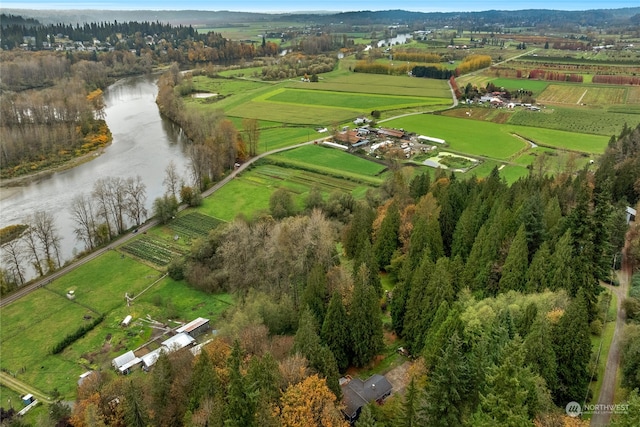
(27,289)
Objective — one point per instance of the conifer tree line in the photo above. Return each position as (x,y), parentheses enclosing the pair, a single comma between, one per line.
(496,295)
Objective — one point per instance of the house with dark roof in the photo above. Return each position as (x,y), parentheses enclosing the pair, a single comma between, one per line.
(357,393)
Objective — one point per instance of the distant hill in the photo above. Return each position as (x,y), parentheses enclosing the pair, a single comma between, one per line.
(6,20)
(519,18)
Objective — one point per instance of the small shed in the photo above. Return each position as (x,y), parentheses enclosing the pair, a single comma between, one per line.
(150,359)
(28,399)
(631,214)
(82,378)
(126,321)
(178,341)
(196,327)
(125,362)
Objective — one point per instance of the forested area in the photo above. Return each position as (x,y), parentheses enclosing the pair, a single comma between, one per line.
(497,294)
(217,144)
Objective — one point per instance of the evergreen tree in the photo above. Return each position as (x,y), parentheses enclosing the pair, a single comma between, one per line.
(510,390)
(539,353)
(161,380)
(416,301)
(135,414)
(263,373)
(440,332)
(561,265)
(365,321)
(447,388)
(205,382)
(533,223)
(516,264)
(241,399)
(572,346)
(366,418)
(398,306)
(419,186)
(387,239)
(434,239)
(366,257)
(358,230)
(408,416)
(538,273)
(335,332)
(307,343)
(315,295)
(452,202)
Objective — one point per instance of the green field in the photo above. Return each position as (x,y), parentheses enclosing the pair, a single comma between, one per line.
(315,155)
(359,101)
(31,327)
(248,194)
(494,140)
(383,85)
(581,120)
(464,135)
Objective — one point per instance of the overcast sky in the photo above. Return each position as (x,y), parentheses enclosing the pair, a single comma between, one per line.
(325,5)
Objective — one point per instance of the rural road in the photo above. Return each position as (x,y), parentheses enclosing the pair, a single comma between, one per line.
(608,387)
(25,290)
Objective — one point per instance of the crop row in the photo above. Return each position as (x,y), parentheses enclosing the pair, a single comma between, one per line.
(194,224)
(153,250)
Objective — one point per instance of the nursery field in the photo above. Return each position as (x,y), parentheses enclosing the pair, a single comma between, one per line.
(581,120)
(193,224)
(583,94)
(360,101)
(153,250)
(536,86)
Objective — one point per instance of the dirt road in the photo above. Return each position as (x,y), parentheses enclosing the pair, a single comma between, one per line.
(608,387)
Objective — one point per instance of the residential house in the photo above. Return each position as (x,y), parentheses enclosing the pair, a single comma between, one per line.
(358,393)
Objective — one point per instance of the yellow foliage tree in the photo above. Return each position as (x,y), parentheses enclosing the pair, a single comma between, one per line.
(310,404)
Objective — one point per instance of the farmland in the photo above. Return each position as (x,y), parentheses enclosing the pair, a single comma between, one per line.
(248,195)
(193,224)
(358,101)
(536,86)
(480,139)
(579,120)
(153,250)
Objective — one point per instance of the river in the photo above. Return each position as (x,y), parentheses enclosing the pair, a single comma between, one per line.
(143,144)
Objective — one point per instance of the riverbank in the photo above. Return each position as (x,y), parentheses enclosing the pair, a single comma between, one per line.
(8,185)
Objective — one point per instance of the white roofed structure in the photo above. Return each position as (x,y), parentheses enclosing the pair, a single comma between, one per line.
(178,341)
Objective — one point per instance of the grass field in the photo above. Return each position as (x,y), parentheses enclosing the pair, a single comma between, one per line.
(384,85)
(349,100)
(44,317)
(332,158)
(464,135)
(493,140)
(579,142)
